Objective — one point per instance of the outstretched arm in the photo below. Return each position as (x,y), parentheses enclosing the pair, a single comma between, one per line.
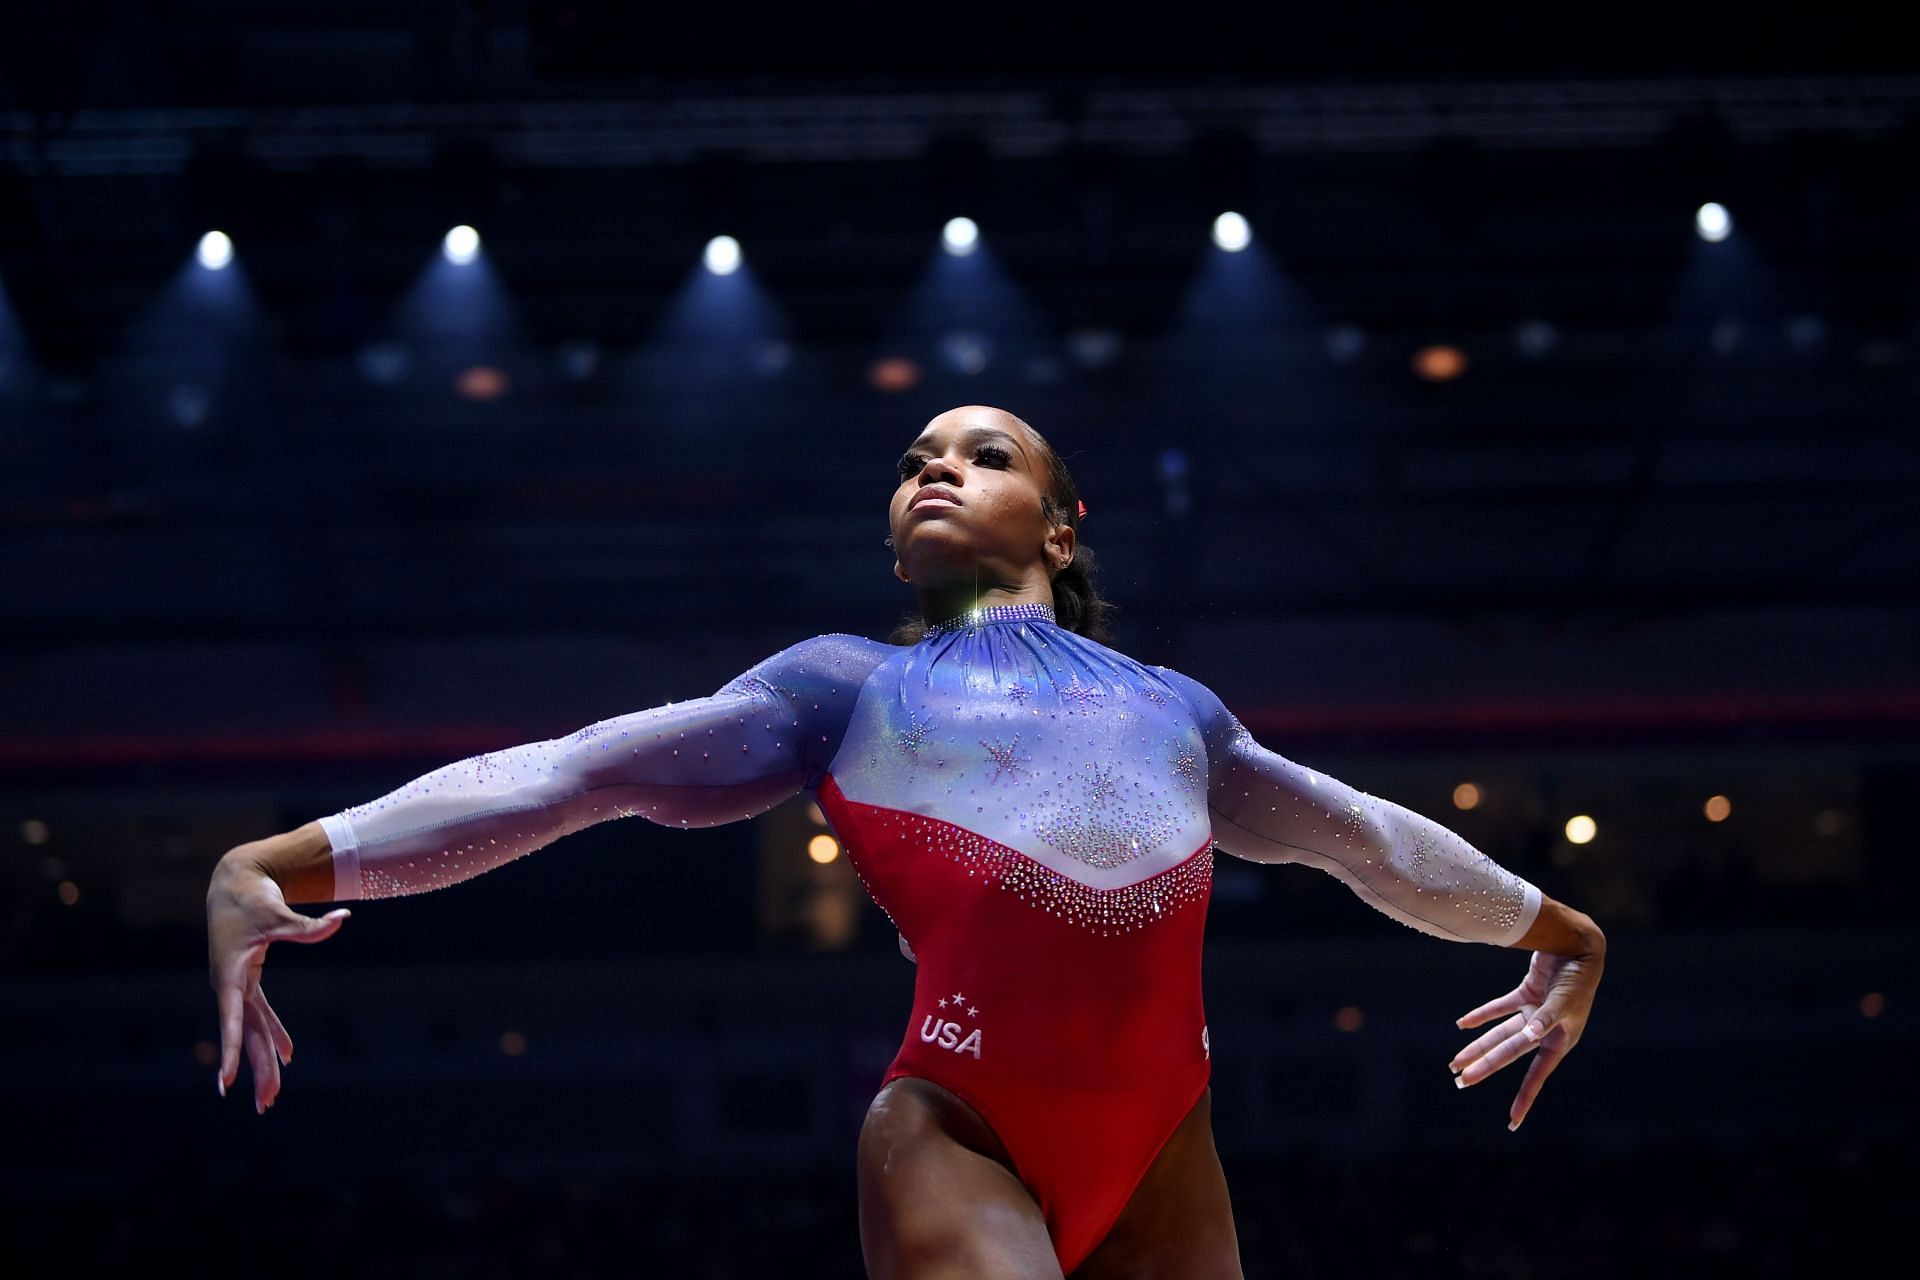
(738,752)
(733,754)
(1267,808)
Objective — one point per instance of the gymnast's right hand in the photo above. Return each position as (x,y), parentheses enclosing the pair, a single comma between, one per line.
(246,912)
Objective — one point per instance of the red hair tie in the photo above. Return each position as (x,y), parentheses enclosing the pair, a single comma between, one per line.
(1083,510)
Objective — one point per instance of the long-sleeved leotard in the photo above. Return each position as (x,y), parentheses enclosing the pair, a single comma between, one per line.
(1035,812)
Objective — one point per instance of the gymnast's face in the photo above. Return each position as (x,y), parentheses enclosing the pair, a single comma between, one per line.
(968,504)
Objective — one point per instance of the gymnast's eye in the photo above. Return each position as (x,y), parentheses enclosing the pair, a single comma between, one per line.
(909,463)
(993,455)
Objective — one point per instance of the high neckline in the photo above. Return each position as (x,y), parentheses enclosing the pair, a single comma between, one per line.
(980,614)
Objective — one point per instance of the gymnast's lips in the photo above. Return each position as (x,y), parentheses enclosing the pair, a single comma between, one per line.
(937,492)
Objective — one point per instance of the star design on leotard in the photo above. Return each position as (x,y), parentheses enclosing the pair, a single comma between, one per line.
(1102,787)
(914,736)
(958,998)
(1020,693)
(942,1002)
(487,767)
(1353,817)
(1003,757)
(1422,847)
(1186,763)
(1081,696)
(972,1012)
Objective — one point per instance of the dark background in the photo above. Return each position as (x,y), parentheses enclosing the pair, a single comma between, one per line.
(277,538)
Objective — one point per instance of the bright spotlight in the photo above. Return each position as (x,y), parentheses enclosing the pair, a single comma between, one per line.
(1713,222)
(723,255)
(216,251)
(461,246)
(1231,232)
(961,237)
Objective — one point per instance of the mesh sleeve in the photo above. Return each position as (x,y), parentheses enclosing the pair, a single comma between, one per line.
(1267,808)
(759,740)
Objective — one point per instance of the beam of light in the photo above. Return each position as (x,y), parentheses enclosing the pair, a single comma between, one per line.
(461,245)
(722,257)
(1231,232)
(216,251)
(197,354)
(1713,222)
(456,317)
(966,317)
(715,361)
(960,237)
(1243,329)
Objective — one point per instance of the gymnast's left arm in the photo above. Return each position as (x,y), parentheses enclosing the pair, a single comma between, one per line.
(1267,808)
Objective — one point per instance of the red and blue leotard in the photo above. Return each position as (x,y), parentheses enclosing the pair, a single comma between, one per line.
(1035,811)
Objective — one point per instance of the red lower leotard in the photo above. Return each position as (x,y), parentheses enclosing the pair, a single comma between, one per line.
(1070,1019)
(1035,811)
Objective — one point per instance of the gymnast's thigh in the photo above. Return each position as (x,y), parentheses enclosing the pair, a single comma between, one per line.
(937,1197)
(1179,1221)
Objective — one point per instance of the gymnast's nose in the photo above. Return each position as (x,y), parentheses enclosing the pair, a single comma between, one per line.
(937,469)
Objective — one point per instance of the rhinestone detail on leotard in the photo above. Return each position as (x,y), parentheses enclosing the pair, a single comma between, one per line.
(1104,911)
(992,613)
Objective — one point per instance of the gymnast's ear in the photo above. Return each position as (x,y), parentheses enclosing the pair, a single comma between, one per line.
(900,573)
(1059,547)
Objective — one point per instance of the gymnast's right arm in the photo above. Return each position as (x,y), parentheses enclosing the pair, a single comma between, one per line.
(735,753)
(758,740)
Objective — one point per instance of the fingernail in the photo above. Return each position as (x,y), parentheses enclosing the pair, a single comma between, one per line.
(1512,1125)
(258,1109)
(222,1082)
(1460,1082)
(1532,1031)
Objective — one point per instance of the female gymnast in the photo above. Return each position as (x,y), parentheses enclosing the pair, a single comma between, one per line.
(1037,814)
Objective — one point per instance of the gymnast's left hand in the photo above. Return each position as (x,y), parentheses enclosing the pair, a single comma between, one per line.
(1544,1016)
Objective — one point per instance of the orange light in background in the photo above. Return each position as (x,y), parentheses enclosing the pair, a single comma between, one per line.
(823,849)
(1349,1018)
(1466,796)
(893,373)
(1872,1004)
(512,1043)
(205,1053)
(1439,363)
(69,892)
(1717,808)
(481,382)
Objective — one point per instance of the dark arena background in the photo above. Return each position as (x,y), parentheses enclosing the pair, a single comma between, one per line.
(1514,417)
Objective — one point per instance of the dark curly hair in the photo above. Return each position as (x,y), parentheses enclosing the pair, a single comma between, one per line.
(1077,603)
